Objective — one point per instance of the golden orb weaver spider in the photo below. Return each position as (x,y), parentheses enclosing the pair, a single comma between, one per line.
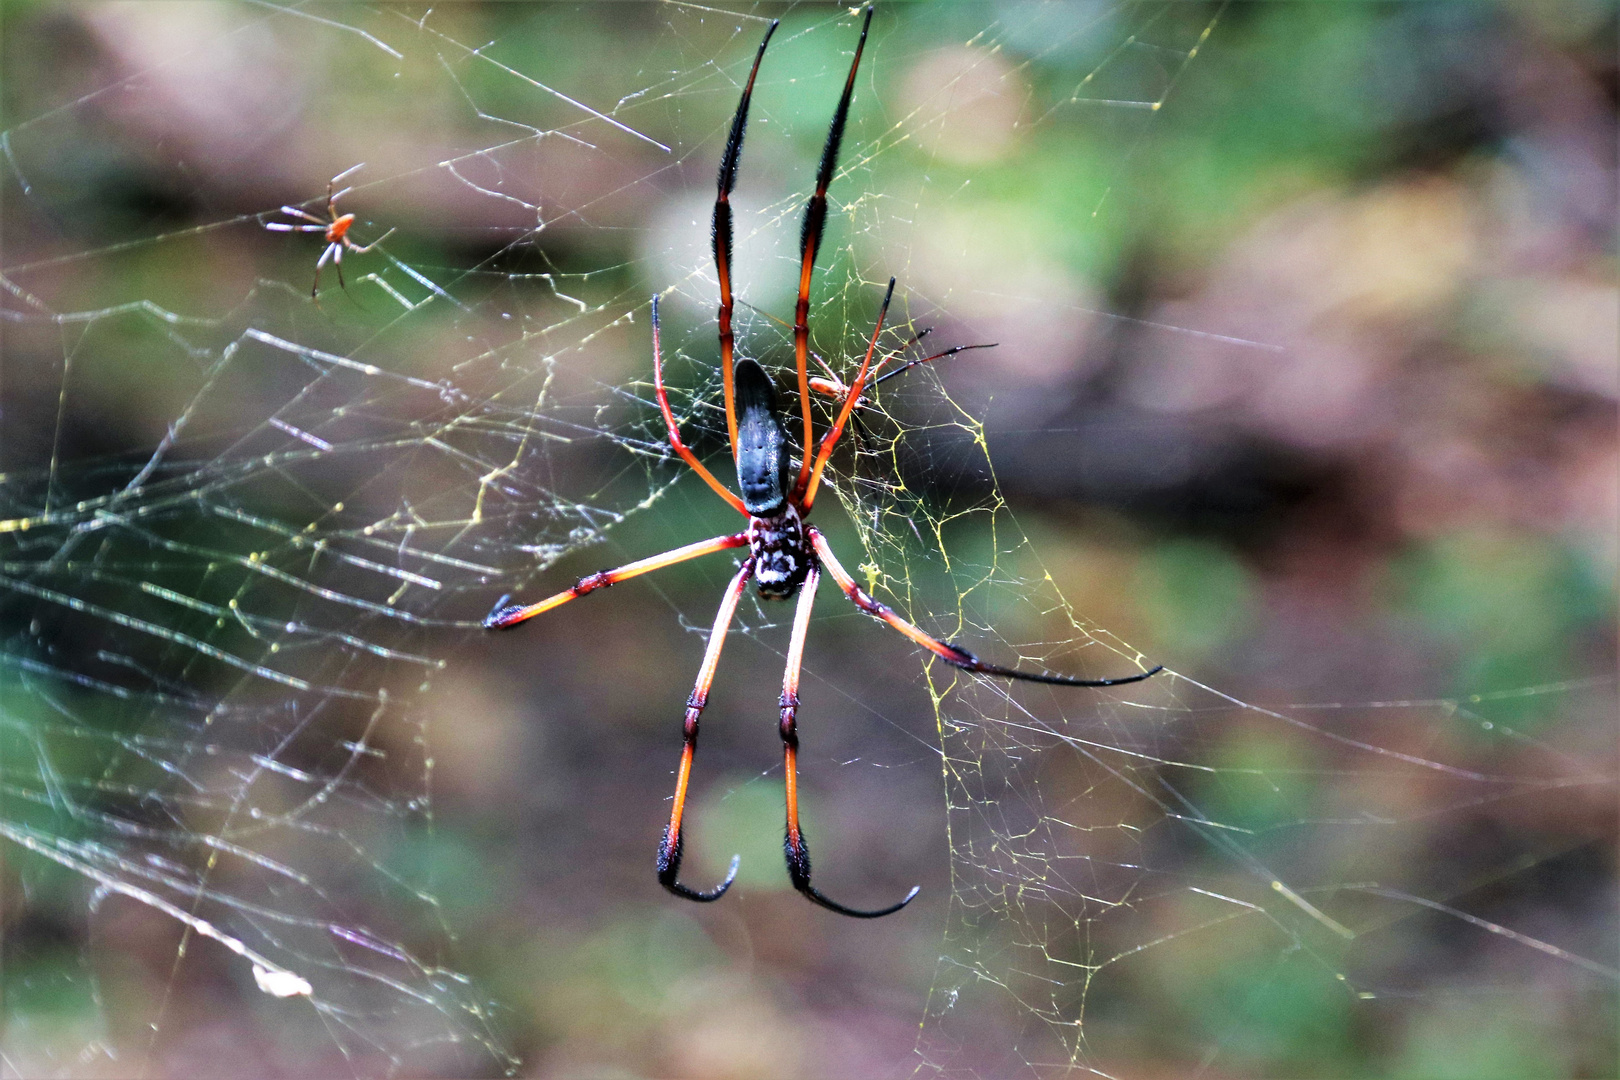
(785,555)
(336,228)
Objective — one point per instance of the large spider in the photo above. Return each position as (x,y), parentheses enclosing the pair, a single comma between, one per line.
(785,555)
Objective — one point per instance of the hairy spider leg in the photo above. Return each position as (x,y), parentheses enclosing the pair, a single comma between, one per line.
(807,492)
(909,364)
(669,849)
(833,386)
(951,654)
(361,249)
(505,615)
(674,429)
(341,228)
(335,251)
(794,845)
(815,224)
(321,224)
(721,235)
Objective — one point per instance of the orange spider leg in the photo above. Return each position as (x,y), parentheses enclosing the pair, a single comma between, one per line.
(815,223)
(721,235)
(829,386)
(794,845)
(834,387)
(510,615)
(951,654)
(808,497)
(675,431)
(669,849)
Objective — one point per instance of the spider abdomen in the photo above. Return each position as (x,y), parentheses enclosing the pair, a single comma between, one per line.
(762,451)
(781,553)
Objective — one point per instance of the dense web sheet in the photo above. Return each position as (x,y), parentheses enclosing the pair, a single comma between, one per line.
(245,533)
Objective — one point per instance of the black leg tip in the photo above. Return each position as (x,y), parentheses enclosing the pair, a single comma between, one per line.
(669,865)
(815,896)
(1148,674)
(501,614)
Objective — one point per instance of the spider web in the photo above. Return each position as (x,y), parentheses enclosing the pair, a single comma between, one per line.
(249,539)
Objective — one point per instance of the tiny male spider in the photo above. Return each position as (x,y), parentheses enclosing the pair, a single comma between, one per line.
(336,230)
(785,556)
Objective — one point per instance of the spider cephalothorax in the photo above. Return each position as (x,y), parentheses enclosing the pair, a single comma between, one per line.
(786,556)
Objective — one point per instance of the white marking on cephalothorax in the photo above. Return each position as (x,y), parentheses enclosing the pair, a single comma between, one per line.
(780,551)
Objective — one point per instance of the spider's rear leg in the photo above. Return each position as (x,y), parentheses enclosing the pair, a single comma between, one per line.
(794,845)
(954,655)
(669,849)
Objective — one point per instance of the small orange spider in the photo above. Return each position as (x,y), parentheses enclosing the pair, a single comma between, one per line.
(336,230)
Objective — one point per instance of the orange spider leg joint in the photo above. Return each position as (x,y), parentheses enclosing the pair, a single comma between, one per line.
(675,440)
(669,849)
(807,486)
(510,615)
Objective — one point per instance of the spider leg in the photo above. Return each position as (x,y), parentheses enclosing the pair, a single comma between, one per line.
(726,182)
(506,615)
(306,215)
(674,430)
(855,418)
(337,261)
(331,249)
(794,845)
(815,223)
(669,849)
(346,173)
(833,387)
(361,249)
(287,226)
(909,364)
(807,491)
(951,654)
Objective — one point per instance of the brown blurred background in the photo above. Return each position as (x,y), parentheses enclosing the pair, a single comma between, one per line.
(1305,386)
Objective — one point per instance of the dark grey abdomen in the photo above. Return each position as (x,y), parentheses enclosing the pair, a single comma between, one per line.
(762,453)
